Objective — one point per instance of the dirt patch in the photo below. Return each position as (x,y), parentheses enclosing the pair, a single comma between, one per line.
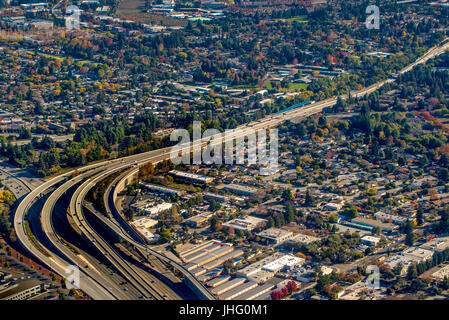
(134,10)
(130,7)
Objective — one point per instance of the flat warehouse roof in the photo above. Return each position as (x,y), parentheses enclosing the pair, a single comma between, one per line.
(222,259)
(228,285)
(256,292)
(211,255)
(240,187)
(192,176)
(210,274)
(441,273)
(437,244)
(218,280)
(201,252)
(261,276)
(274,233)
(371,222)
(237,291)
(248,223)
(196,248)
(198,271)
(261,263)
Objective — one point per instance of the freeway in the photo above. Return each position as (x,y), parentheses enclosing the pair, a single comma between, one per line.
(150,262)
(139,279)
(58,264)
(19,181)
(88,272)
(54,262)
(130,235)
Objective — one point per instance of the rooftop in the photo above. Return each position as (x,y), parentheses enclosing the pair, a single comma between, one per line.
(248,223)
(275,234)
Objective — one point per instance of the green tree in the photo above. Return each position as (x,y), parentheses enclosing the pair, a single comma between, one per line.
(290,213)
(376,231)
(213,223)
(409,237)
(309,200)
(444,174)
(287,195)
(165,235)
(214,205)
(350,212)
(412,272)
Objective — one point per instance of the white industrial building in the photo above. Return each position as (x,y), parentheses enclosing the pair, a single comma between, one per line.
(276,235)
(266,268)
(418,254)
(142,225)
(440,274)
(333,206)
(248,223)
(437,244)
(302,239)
(153,211)
(370,240)
(396,260)
(261,276)
(150,207)
(191,177)
(379,215)
(285,261)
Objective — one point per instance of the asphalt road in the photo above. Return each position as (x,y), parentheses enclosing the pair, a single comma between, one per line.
(133,274)
(19,181)
(92,277)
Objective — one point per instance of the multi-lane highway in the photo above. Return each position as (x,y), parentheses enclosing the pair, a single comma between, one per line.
(19,181)
(92,282)
(140,280)
(91,276)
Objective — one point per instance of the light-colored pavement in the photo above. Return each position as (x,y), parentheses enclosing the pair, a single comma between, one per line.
(19,181)
(40,136)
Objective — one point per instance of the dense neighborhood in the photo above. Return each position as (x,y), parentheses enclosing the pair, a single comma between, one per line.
(357,208)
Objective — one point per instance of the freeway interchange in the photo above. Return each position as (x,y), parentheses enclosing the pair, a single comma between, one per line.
(77,183)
